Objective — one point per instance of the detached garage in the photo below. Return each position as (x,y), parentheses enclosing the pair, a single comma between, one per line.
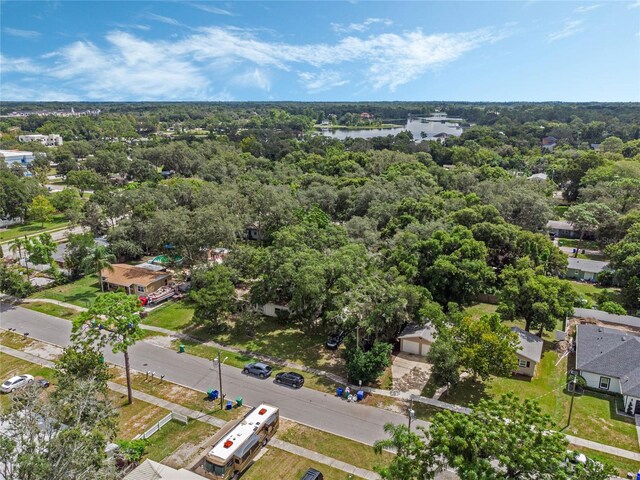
(416,339)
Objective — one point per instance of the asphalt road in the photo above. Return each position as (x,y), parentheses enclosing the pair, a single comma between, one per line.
(310,407)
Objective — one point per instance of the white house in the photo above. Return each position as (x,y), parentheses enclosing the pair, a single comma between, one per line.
(529,352)
(585,269)
(17,156)
(561,228)
(417,339)
(538,177)
(271,309)
(51,140)
(609,360)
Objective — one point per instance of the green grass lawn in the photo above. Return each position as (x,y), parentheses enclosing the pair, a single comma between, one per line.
(479,309)
(10,366)
(590,293)
(81,292)
(622,465)
(52,309)
(174,435)
(171,315)
(277,464)
(30,228)
(593,415)
(340,448)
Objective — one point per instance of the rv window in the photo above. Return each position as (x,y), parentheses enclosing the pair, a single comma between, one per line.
(212,468)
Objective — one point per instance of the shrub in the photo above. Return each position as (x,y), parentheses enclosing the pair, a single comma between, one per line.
(613,307)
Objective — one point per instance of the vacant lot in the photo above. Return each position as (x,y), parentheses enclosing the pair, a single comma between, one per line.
(52,309)
(135,418)
(81,292)
(171,315)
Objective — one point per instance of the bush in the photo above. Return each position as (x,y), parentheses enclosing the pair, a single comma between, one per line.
(12,283)
(368,366)
(613,307)
(132,450)
(248,322)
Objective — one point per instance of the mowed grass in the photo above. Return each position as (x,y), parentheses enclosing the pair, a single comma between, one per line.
(176,435)
(31,228)
(52,309)
(480,309)
(622,465)
(81,292)
(348,451)
(136,418)
(277,464)
(10,366)
(171,315)
(593,415)
(591,292)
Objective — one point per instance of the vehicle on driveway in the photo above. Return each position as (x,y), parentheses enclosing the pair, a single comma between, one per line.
(259,369)
(313,474)
(43,383)
(335,340)
(292,379)
(16,382)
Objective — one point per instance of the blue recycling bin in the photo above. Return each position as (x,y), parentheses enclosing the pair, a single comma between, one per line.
(212,394)
(229,405)
(339,392)
(360,395)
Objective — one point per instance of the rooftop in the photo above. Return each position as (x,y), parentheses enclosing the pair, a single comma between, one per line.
(530,345)
(611,352)
(238,435)
(425,332)
(127,275)
(559,225)
(585,265)
(150,470)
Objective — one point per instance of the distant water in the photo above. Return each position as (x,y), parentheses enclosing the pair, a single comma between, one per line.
(415,125)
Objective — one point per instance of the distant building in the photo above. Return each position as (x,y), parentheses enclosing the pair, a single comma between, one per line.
(366,116)
(561,228)
(548,143)
(538,177)
(595,146)
(529,353)
(584,269)
(440,137)
(51,140)
(254,231)
(17,156)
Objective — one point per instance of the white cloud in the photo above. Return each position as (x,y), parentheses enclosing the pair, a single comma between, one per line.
(360,27)
(17,65)
(137,26)
(570,28)
(635,4)
(211,9)
(22,93)
(255,78)
(130,67)
(163,19)
(16,32)
(321,81)
(587,8)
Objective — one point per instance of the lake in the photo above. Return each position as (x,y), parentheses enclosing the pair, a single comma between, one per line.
(414,125)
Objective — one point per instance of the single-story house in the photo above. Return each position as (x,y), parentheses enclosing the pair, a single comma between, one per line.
(150,470)
(271,309)
(585,269)
(61,250)
(609,360)
(254,231)
(561,228)
(529,353)
(548,143)
(417,339)
(538,177)
(134,280)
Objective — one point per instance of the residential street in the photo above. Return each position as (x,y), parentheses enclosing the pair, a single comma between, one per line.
(58,236)
(310,407)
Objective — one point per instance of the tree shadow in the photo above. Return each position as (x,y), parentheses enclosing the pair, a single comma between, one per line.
(468,391)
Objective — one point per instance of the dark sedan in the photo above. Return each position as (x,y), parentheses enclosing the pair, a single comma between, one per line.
(292,379)
(335,340)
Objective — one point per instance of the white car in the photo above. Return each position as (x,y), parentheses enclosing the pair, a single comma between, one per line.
(16,382)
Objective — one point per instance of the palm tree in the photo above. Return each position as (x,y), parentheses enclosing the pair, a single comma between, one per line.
(16,246)
(99,259)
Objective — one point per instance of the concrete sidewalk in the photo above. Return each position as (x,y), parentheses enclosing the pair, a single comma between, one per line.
(216,422)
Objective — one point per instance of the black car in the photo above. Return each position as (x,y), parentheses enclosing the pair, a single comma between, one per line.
(43,383)
(335,340)
(262,370)
(312,474)
(292,379)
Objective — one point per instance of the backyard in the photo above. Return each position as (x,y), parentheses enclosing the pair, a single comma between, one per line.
(31,228)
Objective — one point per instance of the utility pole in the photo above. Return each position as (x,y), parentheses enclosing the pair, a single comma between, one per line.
(411,413)
(573,394)
(357,338)
(220,378)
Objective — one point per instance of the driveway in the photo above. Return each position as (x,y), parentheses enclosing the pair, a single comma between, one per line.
(410,373)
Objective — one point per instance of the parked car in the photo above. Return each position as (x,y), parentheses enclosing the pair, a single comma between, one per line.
(262,370)
(16,382)
(292,379)
(312,474)
(335,340)
(43,383)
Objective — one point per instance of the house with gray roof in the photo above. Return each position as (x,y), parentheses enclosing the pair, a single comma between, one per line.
(561,228)
(609,360)
(417,339)
(529,352)
(585,269)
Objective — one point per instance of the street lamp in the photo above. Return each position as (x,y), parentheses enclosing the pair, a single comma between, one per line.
(412,413)
(219,362)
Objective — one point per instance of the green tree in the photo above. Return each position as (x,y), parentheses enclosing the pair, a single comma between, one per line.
(98,259)
(586,217)
(112,320)
(79,247)
(69,202)
(40,210)
(40,168)
(540,300)
(84,180)
(41,249)
(367,366)
(443,356)
(625,261)
(214,296)
(412,460)
(12,283)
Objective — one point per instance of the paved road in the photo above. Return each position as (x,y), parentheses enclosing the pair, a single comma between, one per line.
(58,236)
(310,407)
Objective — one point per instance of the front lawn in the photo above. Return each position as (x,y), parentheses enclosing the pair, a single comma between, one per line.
(593,415)
(622,465)
(277,464)
(81,292)
(52,309)
(171,315)
(136,418)
(30,228)
(176,435)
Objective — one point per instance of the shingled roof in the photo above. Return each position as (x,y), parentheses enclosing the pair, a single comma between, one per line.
(610,352)
(530,345)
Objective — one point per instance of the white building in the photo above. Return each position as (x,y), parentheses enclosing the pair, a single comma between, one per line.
(17,156)
(51,140)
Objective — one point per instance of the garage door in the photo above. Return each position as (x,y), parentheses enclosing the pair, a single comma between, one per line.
(410,347)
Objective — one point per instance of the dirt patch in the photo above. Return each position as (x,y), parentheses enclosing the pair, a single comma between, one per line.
(43,350)
(160,341)
(592,321)
(184,454)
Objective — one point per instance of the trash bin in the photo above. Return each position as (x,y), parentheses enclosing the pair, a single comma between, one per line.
(215,395)
(360,395)
(181,348)
(229,405)
(101,359)
(339,392)
(239,401)
(212,394)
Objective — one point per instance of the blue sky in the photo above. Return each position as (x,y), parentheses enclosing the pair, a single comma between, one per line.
(320,51)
